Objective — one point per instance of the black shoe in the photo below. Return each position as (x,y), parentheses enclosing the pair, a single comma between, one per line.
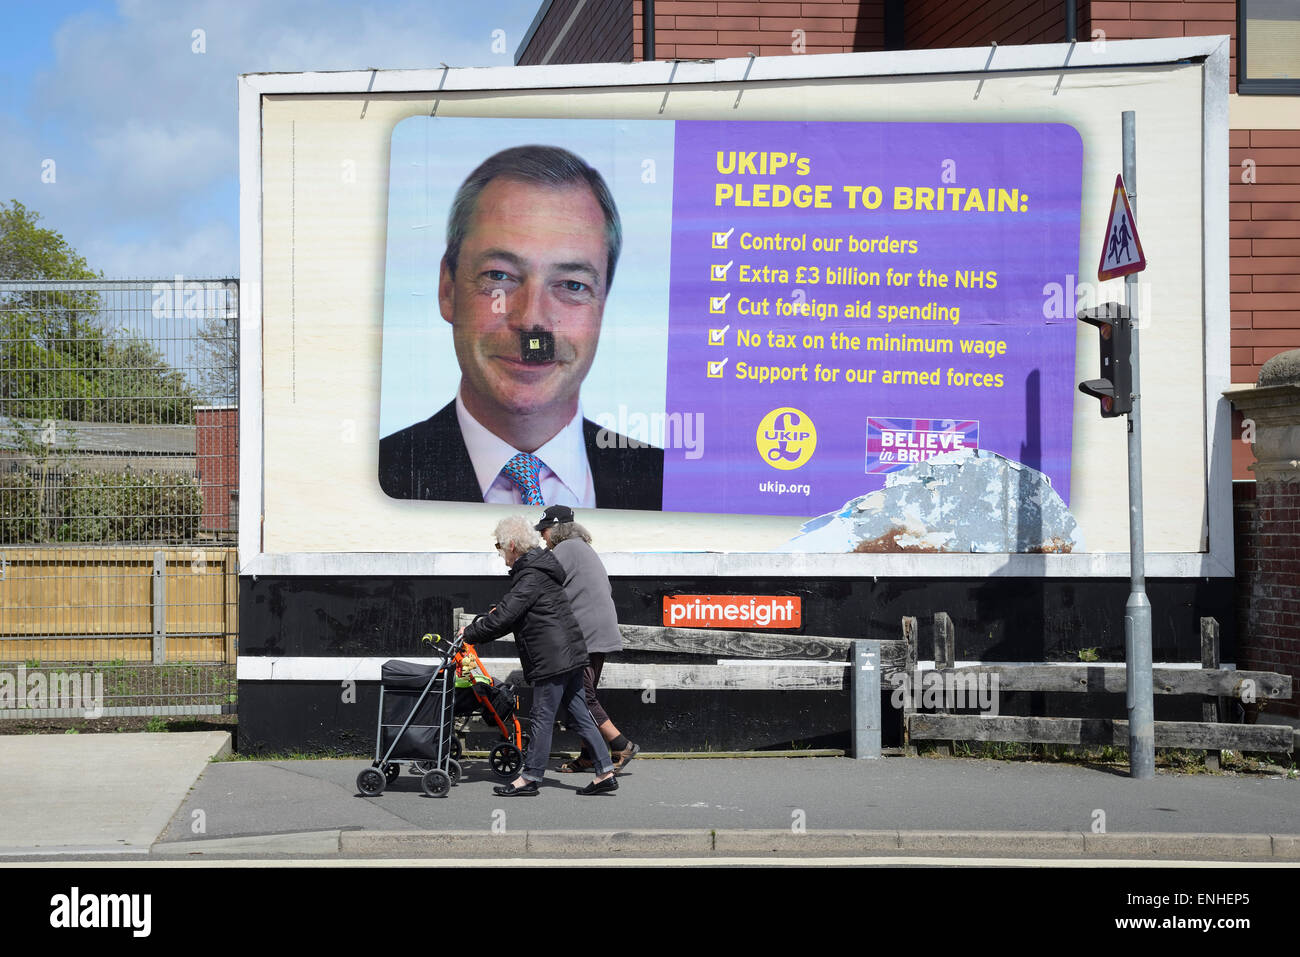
(607,786)
(509,790)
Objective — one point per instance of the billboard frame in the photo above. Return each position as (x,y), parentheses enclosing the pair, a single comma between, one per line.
(1212,52)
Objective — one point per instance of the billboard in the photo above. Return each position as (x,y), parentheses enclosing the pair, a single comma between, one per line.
(833,314)
(789,300)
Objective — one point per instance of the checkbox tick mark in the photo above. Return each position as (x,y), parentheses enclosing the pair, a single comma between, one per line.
(719,273)
(720,239)
(715,368)
(718,336)
(718,304)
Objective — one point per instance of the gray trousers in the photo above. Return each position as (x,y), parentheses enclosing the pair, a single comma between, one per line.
(550,696)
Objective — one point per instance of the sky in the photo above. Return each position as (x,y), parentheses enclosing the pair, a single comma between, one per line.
(118,118)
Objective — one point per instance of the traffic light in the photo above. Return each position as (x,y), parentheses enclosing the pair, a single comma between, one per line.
(1115,387)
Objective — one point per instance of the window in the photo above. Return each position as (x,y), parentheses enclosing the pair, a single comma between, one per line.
(1268,46)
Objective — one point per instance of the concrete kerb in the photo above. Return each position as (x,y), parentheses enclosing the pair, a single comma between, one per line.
(994,843)
(737,843)
(1216,846)
(310,844)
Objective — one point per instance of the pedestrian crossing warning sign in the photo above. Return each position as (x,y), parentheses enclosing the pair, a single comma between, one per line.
(1121,252)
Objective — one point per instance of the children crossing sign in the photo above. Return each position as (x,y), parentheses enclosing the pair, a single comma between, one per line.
(1121,252)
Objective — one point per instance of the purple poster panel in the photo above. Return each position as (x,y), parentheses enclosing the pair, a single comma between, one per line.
(848,299)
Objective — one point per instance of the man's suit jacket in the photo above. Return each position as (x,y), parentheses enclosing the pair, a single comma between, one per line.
(429,460)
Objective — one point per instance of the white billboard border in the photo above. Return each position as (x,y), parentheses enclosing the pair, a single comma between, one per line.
(1216,562)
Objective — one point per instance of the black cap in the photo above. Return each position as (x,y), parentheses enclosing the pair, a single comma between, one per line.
(555,515)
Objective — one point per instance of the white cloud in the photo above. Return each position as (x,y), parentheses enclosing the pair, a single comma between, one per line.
(143,129)
(155,159)
(207,250)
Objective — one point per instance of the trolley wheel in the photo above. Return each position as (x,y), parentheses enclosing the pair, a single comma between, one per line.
(454,771)
(436,783)
(371,782)
(392,771)
(455,748)
(506,760)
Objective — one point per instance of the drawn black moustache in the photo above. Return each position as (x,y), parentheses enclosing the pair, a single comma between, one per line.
(536,346)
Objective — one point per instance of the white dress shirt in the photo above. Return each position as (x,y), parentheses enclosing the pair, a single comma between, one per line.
(565,478)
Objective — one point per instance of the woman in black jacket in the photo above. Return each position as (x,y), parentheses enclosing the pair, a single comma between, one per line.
(551,650)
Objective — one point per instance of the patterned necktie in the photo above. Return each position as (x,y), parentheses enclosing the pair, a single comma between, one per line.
(524,470)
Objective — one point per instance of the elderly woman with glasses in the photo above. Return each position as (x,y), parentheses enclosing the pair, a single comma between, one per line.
(551,650)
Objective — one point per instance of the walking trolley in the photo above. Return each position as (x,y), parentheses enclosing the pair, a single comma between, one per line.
(416,710)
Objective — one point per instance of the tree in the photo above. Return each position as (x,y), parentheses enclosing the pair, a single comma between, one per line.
(217,360)
(60,365)
(28,252)
(58,362)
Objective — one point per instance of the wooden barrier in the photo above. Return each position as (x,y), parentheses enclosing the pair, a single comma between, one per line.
(783,662)
(749,661)
(792,660)
(1196,735)
(1209,681)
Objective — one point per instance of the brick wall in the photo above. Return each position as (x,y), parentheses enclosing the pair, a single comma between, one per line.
(1268,555)
(930,24)
(216,449)
(702,29)
(1265,247)
(601,33)
(1149,19)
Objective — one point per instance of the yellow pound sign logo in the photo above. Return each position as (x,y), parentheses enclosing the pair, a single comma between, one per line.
(786,438)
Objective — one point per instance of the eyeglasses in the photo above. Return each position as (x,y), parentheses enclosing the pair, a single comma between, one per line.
(500,547)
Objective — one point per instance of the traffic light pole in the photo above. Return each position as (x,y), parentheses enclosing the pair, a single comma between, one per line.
(1137,612)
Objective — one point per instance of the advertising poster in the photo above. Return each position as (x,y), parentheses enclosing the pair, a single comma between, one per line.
(822,305)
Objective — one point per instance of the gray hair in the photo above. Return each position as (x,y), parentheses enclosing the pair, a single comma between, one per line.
(515,530)
(546,166)
(565,531)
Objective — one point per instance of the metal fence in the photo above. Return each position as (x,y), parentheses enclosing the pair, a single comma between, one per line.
(118,497)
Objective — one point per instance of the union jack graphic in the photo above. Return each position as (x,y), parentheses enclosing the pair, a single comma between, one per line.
(911,442)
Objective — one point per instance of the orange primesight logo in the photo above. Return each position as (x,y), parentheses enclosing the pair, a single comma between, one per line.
(733,611)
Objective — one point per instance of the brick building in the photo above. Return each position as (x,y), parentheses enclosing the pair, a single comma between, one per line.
(1263,175)
(1264,119)
(216,450)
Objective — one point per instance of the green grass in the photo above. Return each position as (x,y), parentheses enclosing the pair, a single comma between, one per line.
(1180,760)
(297,756)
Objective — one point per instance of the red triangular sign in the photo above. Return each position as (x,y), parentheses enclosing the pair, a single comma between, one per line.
(1121,251)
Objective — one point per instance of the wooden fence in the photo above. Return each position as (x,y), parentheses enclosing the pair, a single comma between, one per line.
(752,661)
(134,604)
(1208,681)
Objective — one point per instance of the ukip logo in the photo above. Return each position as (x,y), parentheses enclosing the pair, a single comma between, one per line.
(786,438)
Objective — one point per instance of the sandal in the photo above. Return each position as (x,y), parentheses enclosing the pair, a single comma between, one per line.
(579,765)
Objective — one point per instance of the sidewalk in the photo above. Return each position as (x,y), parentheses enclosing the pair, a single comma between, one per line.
(96,793)
(113,793)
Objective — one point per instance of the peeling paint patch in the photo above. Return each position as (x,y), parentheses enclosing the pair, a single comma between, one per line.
(972,500)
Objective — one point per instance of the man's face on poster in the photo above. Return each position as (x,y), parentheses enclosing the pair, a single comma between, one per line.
(534,257)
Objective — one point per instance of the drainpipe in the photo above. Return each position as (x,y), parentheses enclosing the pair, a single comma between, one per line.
(648,30)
